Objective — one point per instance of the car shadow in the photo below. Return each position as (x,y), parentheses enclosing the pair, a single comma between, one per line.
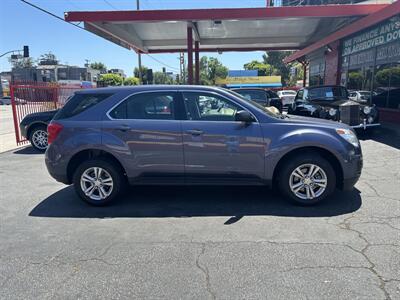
(388,134)
(195,201)
(27,151)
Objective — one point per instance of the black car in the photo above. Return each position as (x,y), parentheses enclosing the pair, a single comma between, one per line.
(34,128)
(261,96)
(332,102)
(6,100)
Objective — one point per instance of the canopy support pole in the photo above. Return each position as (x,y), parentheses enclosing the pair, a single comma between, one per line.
(197,62)
(190,54)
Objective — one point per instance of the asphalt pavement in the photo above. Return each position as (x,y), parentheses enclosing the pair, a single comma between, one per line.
(200,242)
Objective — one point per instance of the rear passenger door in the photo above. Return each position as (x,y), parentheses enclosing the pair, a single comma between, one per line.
(149,136)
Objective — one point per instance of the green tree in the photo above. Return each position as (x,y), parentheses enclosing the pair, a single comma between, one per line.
(275,59)
(111,79)
(262,68)
(98,66)
(47,59)
(144,73)
(162,78)
(131,81)
(388,76)
(355,80)
(211,69)
(25,62)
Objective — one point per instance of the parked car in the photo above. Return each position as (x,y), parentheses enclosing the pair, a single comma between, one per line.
(33,127)
(360,96)
(107,137)
(261,96)
(287,97)
(6,100)
(332,102)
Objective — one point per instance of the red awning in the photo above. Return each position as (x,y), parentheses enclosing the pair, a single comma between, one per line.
(246,29)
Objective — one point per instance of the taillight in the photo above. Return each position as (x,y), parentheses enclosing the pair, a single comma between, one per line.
(53,129)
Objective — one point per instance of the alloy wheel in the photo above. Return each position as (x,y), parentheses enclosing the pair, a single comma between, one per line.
(39,139)
(96,183)
(308,181)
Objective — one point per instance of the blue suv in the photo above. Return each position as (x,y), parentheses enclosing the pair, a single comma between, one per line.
(103,139)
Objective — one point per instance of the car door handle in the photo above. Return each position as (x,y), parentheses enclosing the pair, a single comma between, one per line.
(124,127)
(194,132)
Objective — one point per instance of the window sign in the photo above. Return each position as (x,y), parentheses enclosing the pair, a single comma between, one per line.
(384,33)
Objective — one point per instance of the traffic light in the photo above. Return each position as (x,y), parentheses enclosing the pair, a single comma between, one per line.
(26,51)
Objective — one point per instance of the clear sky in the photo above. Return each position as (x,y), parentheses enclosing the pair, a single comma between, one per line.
(23,25)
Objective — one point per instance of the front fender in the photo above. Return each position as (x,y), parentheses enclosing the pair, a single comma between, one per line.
(303,138)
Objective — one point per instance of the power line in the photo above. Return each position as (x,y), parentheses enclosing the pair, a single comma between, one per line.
(109,4)
(82,28)
(162,63)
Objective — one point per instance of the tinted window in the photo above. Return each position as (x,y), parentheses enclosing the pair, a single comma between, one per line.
(256,95)
(209,107)
(300,94)
(327,93)
(272,94)
(79,103)
(158,105)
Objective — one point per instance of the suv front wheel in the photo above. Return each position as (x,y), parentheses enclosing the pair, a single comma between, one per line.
(98,182)
(307,179)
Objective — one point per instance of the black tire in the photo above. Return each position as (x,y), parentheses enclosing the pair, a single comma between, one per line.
(38,130)
(294,162)
(117,175)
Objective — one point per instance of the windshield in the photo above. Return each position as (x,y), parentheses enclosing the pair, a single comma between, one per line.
(259,106)
(328,93)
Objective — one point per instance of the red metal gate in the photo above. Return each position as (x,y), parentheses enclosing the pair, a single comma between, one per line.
(27,98)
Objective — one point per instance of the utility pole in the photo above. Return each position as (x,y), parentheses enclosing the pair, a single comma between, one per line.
(139,54)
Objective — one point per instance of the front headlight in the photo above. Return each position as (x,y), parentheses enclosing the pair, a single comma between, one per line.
(367,110)
(348,135)
(332,112)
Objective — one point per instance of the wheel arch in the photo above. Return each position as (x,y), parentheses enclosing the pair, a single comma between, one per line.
(34,125)
(86,154)
(324,153)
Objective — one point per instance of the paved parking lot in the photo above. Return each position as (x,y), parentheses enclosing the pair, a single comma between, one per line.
(203,242)
(7,132)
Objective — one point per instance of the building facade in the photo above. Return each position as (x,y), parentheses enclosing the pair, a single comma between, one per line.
(367,60)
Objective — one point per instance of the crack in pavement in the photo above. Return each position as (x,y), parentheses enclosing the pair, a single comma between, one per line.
(205,271)
(346,225)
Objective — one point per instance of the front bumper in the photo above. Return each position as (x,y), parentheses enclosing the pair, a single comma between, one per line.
(24,130)
(364,125)
(351,171)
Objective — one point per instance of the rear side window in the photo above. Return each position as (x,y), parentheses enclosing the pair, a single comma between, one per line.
(256,95)
(79,103)
(272,94)
(155,106)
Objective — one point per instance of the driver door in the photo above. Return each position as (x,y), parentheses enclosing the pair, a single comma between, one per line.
(217,146)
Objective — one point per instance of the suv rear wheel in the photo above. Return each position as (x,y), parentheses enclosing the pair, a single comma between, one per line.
(307,179)
(98,182)
(38,138)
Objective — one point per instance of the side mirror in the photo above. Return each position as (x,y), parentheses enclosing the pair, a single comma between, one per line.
(244,116)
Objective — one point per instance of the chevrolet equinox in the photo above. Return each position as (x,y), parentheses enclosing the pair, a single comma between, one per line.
(106,138)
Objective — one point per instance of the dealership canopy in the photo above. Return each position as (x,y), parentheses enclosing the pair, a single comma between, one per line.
(242,29)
